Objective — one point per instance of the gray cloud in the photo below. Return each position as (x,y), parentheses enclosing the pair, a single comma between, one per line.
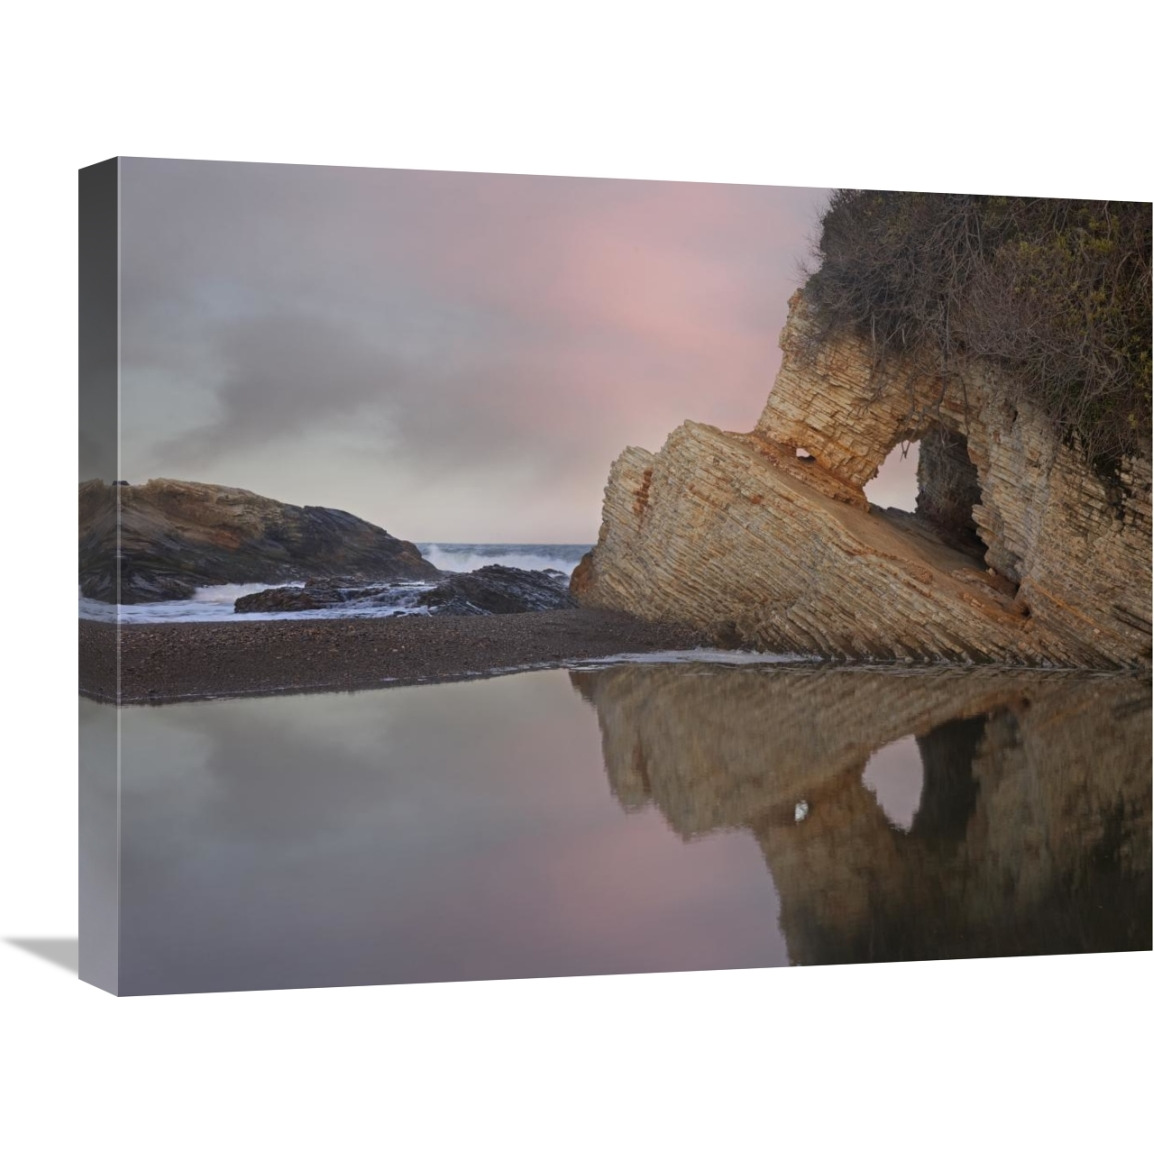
(278,374)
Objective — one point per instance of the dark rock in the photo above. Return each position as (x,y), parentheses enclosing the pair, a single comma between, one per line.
(177,535)
(288,599)
(498,589)
(323,593)
(138,584)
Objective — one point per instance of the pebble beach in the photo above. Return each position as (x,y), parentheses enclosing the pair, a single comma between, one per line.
(187,661)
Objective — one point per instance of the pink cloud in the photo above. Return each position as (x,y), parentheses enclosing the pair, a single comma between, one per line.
(545,322)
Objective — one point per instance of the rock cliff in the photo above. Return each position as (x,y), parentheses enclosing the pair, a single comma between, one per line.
(177,535)
(1018,552)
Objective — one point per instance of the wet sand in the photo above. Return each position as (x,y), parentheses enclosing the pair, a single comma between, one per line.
(183,660)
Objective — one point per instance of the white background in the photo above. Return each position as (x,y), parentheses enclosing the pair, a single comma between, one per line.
(1009,1054)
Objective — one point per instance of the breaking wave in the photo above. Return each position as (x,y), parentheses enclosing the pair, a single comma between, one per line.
(464,558)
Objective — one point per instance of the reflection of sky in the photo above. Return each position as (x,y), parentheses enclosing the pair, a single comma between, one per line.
(895,776)
(411,835)
(453,356)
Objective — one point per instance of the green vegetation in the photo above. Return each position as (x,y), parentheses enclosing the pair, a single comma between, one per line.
(1057,292)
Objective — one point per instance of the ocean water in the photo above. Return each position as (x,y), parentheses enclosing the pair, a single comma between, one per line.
(215,602)
(630,818)
(465,558)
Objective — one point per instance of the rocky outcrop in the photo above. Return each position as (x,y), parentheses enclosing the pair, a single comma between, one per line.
(288,599)
(166,538)
(319,593)
(1019,552)
(492,589)
(1032,830)
(498,589)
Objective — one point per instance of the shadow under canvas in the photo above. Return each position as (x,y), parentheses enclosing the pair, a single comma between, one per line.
(64,952)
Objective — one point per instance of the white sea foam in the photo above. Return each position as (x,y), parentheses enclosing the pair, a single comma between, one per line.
(216,603)
(228,594)
(92,610)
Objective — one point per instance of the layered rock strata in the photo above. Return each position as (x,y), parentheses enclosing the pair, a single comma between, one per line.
(160,541)
(766,539)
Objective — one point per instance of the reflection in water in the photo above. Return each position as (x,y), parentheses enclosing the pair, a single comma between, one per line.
(1031,833)
(465,831)
(895,777)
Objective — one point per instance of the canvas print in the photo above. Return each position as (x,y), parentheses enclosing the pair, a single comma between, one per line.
(494,576)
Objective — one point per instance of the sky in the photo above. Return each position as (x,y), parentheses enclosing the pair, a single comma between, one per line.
(452,356)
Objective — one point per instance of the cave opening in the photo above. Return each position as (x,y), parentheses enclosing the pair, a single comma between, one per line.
(949,490)
(935,480)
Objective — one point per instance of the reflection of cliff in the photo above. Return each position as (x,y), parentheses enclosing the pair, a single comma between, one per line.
(1032,834)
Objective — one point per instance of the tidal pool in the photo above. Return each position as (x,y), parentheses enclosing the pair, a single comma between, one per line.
(631,818)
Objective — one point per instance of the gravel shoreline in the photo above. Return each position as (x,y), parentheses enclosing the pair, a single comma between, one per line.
(188,660)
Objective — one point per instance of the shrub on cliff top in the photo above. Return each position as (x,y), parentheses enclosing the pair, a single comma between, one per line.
(1057,292)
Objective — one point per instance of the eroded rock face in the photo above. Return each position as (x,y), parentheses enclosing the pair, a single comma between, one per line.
(736,535)
(177,535)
